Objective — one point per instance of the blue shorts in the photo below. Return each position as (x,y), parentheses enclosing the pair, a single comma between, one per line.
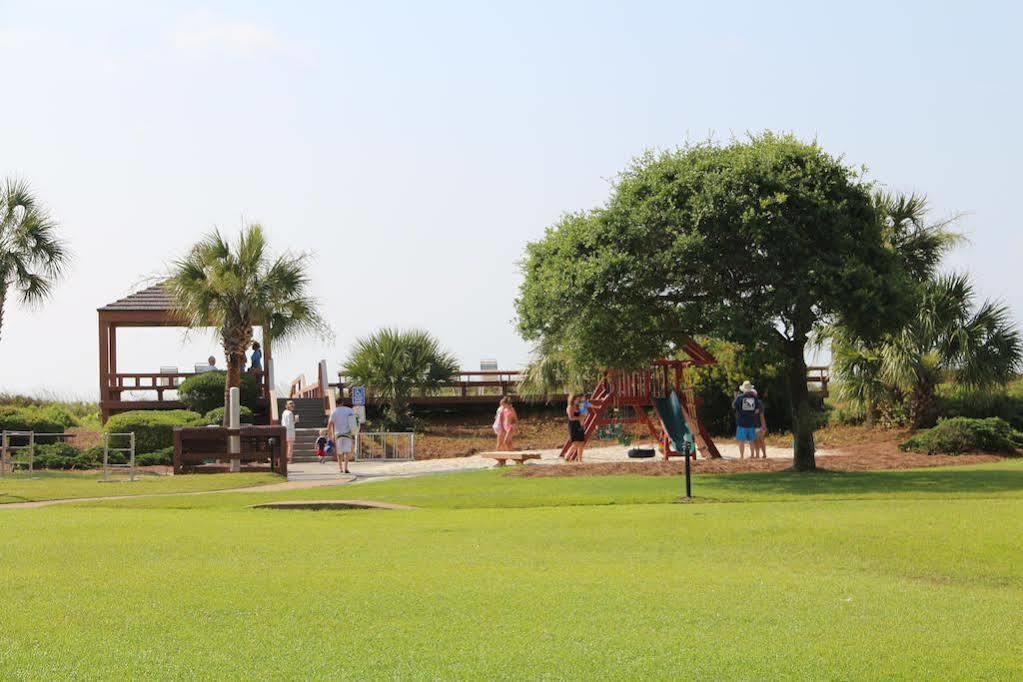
(746,433)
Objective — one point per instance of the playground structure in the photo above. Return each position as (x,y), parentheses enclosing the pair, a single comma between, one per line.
(665,387)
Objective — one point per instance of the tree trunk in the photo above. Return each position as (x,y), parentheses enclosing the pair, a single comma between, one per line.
(234,377)
(870,413)
(3,298)
(802,416)
(923,406)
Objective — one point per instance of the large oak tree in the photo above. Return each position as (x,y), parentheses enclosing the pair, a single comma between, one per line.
(758,242)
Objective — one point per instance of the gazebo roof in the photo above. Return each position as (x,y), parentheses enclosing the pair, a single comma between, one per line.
(156,298)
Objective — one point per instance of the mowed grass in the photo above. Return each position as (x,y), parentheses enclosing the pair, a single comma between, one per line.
(494,489)
(900,575)
(58,485)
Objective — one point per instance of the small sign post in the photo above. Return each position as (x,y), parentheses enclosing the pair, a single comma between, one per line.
(358,396)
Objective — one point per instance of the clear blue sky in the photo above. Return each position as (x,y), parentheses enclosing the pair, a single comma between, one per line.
(416,147)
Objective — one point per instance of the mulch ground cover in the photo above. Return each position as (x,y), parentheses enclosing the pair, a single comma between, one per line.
(875,457)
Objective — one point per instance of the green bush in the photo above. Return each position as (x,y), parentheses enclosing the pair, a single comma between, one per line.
(215,417)
(164,457)
(961,434)
(154,430)
(204,392)
(55,456)
(955,401)
(43,419)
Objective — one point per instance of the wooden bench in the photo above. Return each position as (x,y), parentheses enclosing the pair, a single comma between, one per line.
(193,446)
(519,457)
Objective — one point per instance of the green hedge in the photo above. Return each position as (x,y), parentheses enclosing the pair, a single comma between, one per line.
(962,434)
(215,417)
(148,459)
(154,430)
(45,419)
(204,392)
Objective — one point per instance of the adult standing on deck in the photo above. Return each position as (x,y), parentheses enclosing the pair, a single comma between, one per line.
(288,421)
(748,413)
(256,364)
(339,430)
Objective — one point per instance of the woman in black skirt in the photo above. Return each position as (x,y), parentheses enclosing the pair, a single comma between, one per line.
(576,432)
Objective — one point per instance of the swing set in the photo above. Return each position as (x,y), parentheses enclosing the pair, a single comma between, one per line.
(626,397)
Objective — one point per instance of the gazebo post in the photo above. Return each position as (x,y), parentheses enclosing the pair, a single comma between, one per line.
(113,351)
(104,368)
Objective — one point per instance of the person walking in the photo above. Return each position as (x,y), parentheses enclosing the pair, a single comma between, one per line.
(498,426)
(509,423)
(340,428)
(748,411)
(576,432)
(288,420)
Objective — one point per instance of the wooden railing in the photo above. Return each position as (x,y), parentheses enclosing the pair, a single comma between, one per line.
(300,388)
(158,382)
(819,374)
(465,384)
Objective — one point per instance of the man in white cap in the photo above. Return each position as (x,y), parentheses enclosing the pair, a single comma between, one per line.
(748,409)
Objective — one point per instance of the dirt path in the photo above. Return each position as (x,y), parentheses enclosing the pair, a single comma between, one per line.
(268,488)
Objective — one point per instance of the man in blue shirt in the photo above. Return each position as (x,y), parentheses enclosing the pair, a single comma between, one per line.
(748,409)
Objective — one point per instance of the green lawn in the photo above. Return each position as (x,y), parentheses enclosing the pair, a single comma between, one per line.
(837,576)
(59,485)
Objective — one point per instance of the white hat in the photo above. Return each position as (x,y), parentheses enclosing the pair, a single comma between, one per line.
(746,386)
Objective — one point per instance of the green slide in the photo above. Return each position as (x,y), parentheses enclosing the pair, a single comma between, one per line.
(670,411)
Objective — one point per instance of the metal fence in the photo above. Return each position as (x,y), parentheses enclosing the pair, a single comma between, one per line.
(17,451)
(385,446)
(128,450)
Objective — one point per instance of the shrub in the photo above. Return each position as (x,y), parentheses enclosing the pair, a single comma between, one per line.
(45,419)
(215,417)
(961,434)
(955,401)
(164,456)
(205,392)
(154,430)
(54,456)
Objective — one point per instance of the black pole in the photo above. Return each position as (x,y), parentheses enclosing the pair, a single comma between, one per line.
(689,482)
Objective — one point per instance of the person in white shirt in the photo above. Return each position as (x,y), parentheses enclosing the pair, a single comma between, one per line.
(288,421)
(339,428)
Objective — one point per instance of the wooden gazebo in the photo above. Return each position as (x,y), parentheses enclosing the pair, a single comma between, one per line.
(150,307)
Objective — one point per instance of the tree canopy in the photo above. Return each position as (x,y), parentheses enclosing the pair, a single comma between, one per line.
(394,363)
(32,256)
(231,287)
(757,242)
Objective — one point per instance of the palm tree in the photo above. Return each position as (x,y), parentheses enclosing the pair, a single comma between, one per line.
(32,257)
(551,372)
(950,338)
(921,244)
(233,287)
(394,363)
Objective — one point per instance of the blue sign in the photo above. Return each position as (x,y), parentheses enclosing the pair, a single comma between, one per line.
(358,395)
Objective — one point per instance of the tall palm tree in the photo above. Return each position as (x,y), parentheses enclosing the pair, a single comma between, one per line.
(921,244)
(394,363)
(950,337)
(32,257)
(233,287)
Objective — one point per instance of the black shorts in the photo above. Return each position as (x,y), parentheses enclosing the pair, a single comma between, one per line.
(576,433)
